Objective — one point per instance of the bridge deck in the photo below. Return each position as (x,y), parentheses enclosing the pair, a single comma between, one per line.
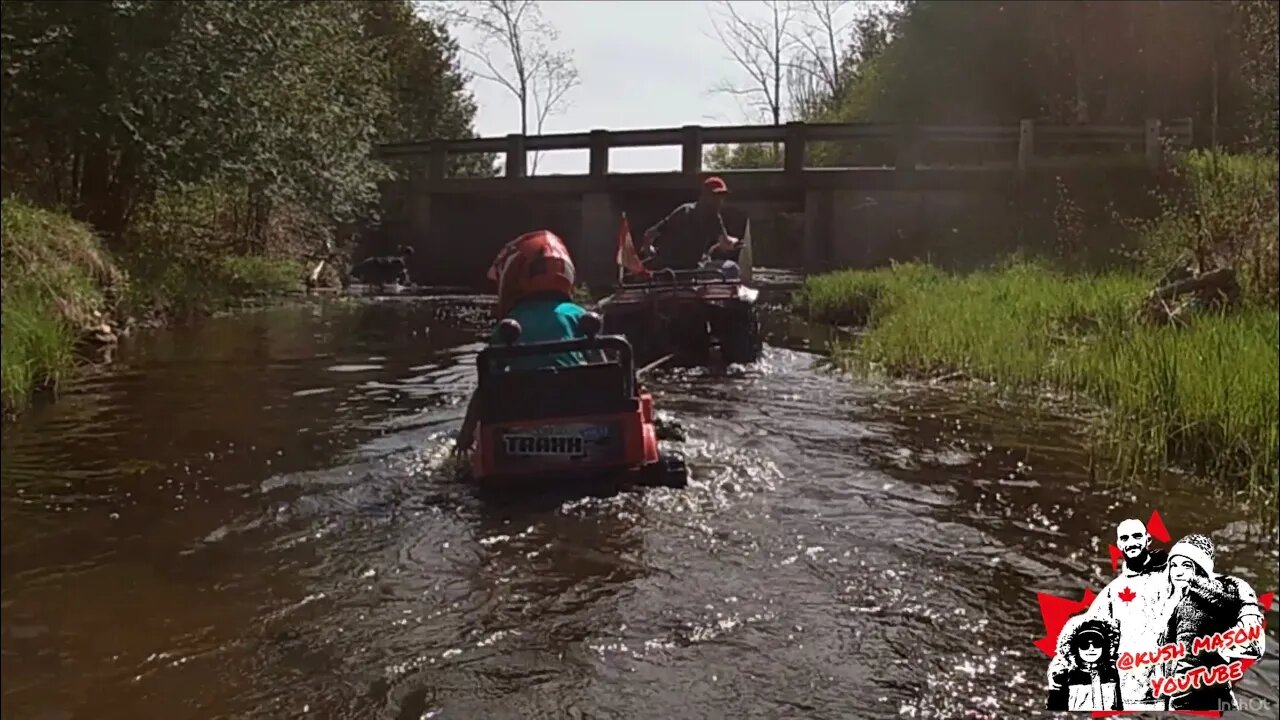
(767,184)
(937,157)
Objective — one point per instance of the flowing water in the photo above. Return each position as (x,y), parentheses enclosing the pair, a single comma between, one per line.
(253,518)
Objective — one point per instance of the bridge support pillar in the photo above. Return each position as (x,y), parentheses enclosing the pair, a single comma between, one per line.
(593,257)
(818,230)
(418,234)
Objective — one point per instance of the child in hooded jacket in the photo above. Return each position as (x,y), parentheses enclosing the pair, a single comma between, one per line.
(1086,676)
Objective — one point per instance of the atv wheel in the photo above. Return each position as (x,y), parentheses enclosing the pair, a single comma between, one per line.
(632,327)
(740,340)
(688,339)
(670,471)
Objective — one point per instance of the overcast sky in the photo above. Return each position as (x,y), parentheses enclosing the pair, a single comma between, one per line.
(642,65)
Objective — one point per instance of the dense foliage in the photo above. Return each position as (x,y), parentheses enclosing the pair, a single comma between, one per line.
(276,104)
(1086,62)
(211,145)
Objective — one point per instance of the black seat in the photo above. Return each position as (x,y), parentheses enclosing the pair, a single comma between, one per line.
(596,388)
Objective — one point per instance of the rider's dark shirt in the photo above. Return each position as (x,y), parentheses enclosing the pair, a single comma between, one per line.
(684,235)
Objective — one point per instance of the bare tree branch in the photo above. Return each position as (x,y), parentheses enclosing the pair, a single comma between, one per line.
(834,40)
(761,48)
(823,27)
(808,91)
(515,52)
(553,79)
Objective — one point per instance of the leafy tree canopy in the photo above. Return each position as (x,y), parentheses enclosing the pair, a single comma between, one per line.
(106,103)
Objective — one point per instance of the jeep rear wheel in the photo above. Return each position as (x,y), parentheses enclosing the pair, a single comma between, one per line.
(670,471)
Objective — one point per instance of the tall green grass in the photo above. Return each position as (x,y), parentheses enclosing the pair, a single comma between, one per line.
(1204,396)
(849,297)
(57,279)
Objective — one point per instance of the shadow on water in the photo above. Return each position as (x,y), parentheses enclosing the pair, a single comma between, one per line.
(255,517)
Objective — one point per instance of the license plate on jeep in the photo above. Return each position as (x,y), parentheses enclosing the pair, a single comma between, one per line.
(562,442)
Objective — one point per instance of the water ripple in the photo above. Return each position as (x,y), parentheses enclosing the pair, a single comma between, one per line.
(256,517)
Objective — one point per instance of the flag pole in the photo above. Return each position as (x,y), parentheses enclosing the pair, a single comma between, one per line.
(618,253)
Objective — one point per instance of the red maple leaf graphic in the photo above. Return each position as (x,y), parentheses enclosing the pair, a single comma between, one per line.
(1056,611)
(1116,556)
(1127,595)
(1156,528)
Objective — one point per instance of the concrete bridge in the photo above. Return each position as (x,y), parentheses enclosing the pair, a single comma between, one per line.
(904,174)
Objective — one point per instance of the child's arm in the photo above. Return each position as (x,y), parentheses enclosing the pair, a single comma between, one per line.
(466,436)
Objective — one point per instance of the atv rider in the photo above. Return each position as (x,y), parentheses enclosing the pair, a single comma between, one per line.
(535,278)
(694,235)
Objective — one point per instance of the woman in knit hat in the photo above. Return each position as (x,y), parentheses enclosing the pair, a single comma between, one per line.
(1199,603)
(1086,676)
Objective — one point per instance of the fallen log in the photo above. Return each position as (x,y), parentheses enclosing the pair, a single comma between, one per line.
(1170,304)
(1222,280)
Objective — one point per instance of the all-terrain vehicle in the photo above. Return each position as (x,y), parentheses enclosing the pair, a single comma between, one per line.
(686,314)
(581,422)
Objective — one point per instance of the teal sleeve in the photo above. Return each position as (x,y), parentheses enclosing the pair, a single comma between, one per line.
(570,313)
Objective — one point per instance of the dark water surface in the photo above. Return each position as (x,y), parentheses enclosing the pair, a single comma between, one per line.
(251,519)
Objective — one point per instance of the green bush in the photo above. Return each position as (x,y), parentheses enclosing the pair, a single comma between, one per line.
(1223,215)
(196,248)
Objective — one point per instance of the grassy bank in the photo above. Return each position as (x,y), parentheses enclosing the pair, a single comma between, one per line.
(59,280)
(1204,396)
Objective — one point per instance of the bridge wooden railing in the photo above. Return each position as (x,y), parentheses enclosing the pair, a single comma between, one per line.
(1104,145)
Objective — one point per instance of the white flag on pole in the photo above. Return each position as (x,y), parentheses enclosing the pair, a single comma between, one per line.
(744,255)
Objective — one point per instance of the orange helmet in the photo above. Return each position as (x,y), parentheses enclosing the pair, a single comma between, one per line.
(534,262)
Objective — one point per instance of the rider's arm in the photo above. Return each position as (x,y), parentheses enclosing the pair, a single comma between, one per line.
(1250,616)
(466,436)
(663,225)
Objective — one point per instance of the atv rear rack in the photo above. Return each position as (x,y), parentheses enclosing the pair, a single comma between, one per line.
(667,278)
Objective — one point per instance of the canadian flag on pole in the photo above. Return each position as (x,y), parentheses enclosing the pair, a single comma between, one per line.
(627,256)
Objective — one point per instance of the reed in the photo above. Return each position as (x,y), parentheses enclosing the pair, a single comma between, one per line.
(1203,396)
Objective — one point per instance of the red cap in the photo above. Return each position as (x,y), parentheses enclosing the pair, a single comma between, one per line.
(715,185)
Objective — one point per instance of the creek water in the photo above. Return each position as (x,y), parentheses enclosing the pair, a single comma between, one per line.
(253,517)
